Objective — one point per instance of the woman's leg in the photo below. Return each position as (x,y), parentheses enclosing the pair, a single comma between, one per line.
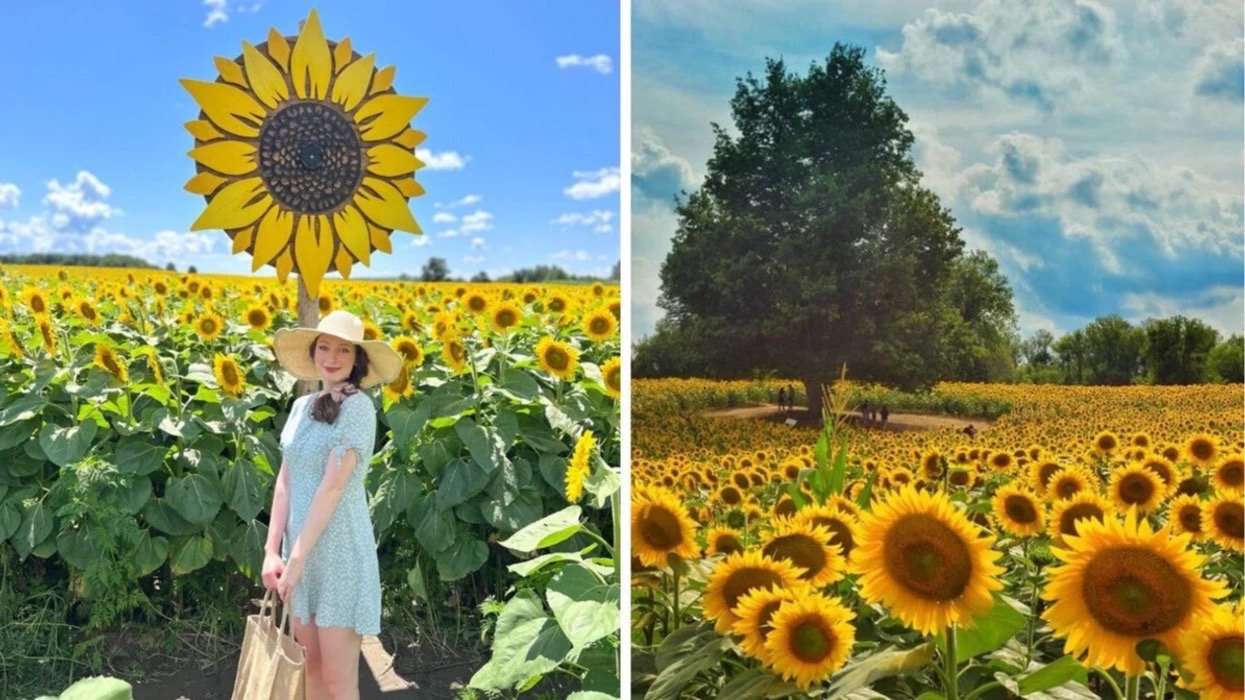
(339,654)
(309,636)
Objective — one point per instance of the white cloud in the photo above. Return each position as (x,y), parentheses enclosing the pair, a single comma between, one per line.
(477,221)
(1220,71)
(477,243)
(218,11)
(9,195)
(473,259)
(655,171)
(600,62)
(465,201)
(445,160)
(80,202)
(448,234)
(421,241)
(575,255)
(1222,307)
(443,217)
(593,184)
(598,219)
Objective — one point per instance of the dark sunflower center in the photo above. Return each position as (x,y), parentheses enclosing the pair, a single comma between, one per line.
(1080,511)
(1191,518)
(785,507)
(1230,519)
(766,614)
(800,550)
(730,495)
(840,534)
(660,528)
(230,374)
(1047,472)
(1233,473)
(208,326)
(476,304)
(505,319)
(599,326)
(1136,489)
(1202,449)
(1227,662)
(310,157)
(556,358)
(612,378)
(1189,487)
(1067,488)
(38,305)
(959,477)
(746,579)
(1020,509)
(1106,443)
(928,558)
(811,642)
(257,318)
(1134,591)
(557,305)
(110,363)
(727,544)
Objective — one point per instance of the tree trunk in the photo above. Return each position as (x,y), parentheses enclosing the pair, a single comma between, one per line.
(308,317)
(812,390)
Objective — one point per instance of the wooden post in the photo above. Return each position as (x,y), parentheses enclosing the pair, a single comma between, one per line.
(308,317)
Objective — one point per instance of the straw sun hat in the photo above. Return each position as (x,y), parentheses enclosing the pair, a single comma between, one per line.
(291,344)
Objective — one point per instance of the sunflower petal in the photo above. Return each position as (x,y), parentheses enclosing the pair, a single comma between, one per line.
(242,239)
(383,80)
(311,62)
(410,138)
(385,116)
(342,263)
(227,156)
(388,160)
(229,108)
(284,264)
(267,81)
(230,71)
(351,85)
(204,183)
(380,238)
(313,250)
(409,187)
(279,49)
(352,231)
(342,53)
(272,236)
(203,130)
(237,204)
(386,207)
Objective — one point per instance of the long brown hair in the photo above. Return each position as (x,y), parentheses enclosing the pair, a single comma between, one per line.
(326,408)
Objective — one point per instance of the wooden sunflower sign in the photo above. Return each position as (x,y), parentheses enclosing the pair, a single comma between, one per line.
(305,155)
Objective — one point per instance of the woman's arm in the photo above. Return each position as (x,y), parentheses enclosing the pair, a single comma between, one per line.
(336,476)
(280,510)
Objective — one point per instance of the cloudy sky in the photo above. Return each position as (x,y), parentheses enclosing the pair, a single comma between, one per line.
(522,124)
(1093,148)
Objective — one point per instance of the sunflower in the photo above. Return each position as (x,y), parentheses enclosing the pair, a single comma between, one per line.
(1201,449)
(455,354)
(108,361)
(932,465)
(842,525)
(580,466)
(922,558)
(1184,515)
(660,526)
(1135,486)
(811,639)
(1040,474)
(600,325)
(738,574)
(556,304)
(209,326)
(808,547)
(754,610)
(1121,583)
(257,317)
(10,342)
(723,540)
(1211,653)
(506,315)
(1165,471)
(86,310)
(36,301)
(1106,442)
(408,348)
(304,154)
(228,375)
(1066,515)
(1018,511)
(557,358)
(47,335)
(1067,483)
(371,331)
(401,386)
(324,302)
(611,373)
(1223,516)
(1229,474)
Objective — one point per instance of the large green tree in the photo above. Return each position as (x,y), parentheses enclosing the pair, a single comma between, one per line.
(1176,350)
(1227,360)
(811,242)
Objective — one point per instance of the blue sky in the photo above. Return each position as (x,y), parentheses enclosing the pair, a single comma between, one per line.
(1093,148)
(522,124)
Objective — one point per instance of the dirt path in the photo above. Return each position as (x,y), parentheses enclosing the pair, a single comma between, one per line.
(896,421)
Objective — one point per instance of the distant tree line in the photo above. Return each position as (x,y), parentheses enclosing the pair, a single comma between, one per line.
(76,260)
(438,270)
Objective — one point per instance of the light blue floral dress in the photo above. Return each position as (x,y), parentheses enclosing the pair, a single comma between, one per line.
(340,584)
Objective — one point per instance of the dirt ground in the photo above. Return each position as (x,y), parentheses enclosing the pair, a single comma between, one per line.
(895,422)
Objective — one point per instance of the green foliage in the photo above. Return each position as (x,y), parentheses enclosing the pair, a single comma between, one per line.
(76,260)
(98,688)
(1176,350)
(1226,361)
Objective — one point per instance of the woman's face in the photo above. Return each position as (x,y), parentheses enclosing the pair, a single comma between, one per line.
(334,358)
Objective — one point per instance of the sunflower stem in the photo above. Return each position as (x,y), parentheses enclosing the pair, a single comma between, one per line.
(1110,681)
(1033,572)
(952,678)
(982,689)
(1132,687)
(676,624)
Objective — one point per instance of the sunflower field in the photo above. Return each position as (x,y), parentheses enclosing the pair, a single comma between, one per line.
(140,417)
(1087,544)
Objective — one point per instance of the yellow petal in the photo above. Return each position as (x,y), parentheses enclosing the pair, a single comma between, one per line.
(237,204)
(311,63)
(272,236)
(284,264)
(384,205)
(342,53)
(351,85)
(383,80)
(409,188)
(380,238)
(342,263)
(229,108)
(352,231)
(203,130)
(230,71)
(204,183)
(387,115)
(267,81)
(227,156)
(388,160)
(242,240)
(279,49)
(313,251)
(410,139)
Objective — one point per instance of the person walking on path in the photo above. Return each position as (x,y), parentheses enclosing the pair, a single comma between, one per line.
(320,556)
(782,400)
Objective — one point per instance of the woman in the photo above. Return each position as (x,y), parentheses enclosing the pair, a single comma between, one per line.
(321,551)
